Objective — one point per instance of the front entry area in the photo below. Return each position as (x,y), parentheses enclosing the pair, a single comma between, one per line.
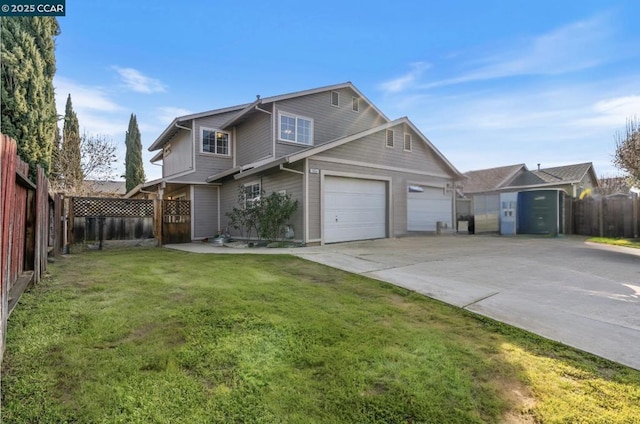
(354,209)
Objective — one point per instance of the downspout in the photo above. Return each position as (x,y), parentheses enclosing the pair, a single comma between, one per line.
(181,127)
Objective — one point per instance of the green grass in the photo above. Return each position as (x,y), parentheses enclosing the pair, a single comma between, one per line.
(617,241)
(153,335)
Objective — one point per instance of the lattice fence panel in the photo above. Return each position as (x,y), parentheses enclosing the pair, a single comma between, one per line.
(177,207)
(97,206)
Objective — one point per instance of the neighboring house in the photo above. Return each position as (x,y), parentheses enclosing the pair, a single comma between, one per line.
(355,173)
(96,188)
(493,193)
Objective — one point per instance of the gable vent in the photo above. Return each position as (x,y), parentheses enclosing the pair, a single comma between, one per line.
(335,98)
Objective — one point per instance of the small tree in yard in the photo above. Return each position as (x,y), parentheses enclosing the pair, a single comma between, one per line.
(266,215)
(98,154)
(277,209)
(239,217)
(627,155)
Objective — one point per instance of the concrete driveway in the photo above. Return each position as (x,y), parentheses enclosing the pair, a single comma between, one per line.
(581,294)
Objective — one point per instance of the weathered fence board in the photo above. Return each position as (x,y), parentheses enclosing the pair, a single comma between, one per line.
(176,221)
(25,234)
(96,219)
(8,155)
(607,217)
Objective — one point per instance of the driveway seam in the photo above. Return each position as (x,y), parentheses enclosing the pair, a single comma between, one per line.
(479,300)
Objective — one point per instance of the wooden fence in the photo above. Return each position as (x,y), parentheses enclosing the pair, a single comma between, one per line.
(27,233)
(607,216)
(94,220)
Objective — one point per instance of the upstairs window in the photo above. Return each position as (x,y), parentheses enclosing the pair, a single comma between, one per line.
(335,98)
(355,104)
(389,139)
(214,141)
(407,142)
(296,129)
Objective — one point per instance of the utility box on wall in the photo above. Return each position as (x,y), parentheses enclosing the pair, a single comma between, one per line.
(508,213)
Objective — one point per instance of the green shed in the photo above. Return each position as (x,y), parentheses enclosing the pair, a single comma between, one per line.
(540,212)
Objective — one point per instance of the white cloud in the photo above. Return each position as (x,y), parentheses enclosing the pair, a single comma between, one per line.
(611,111)
(573,47)
(550,124)
(166,114)
(405,81)
(82,97)
(138,82)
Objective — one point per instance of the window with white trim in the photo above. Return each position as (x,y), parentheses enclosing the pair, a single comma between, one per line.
(295,129)
(335,98)
(389,139)
(355,104)
(407,142)
(252,193)
(215,141)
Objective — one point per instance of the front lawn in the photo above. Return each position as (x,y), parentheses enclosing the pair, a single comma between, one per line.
(154,335)
(625,242)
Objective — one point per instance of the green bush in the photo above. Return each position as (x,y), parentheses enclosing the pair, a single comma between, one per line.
(267,215)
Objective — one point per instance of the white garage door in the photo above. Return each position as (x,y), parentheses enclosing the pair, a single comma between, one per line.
(426,206)
(354,209)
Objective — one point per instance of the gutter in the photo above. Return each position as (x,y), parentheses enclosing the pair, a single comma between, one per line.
(282,168)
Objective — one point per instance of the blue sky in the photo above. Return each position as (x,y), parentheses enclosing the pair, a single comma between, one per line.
(490,83)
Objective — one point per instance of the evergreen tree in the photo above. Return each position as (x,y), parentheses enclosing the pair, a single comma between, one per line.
(134,169)
(27,60)
(71,161)
(55,171)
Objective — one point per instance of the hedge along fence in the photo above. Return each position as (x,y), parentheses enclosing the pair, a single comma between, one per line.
(26,233)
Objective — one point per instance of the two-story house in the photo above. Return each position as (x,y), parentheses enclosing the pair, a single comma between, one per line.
(355,173)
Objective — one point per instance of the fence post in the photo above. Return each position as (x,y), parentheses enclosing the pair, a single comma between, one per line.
(158,218)
(70,219)
(58,237)
(601,217)
(634,199)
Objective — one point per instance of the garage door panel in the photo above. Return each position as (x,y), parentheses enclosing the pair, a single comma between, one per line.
(354,209)
(425,209)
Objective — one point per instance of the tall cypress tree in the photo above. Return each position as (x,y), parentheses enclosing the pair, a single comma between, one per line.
(70,156)
(134,169)
(27,46)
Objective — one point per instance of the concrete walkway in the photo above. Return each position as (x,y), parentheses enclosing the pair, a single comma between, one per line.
(582,294)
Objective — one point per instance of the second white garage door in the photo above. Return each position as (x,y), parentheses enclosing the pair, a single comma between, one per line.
(354,209)
(425,207)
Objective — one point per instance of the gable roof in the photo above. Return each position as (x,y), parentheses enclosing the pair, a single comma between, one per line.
(246,108)
(294,157)
(565,174)
(519,177)
(491,179)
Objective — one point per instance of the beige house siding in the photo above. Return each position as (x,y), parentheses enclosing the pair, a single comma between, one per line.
(254,139)
(205,202)
(208,164)
(329,122)
(372,150)
(178,156)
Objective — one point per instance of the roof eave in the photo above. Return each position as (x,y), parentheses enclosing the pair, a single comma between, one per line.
(264,167)
(223,174)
